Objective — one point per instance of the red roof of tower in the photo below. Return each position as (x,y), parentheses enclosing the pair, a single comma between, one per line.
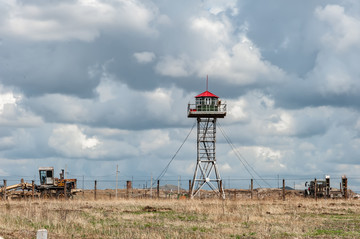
(207,94)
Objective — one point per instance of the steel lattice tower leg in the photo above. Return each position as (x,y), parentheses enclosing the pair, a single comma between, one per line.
(206,171)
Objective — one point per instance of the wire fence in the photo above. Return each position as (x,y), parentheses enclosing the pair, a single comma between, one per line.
(181,185)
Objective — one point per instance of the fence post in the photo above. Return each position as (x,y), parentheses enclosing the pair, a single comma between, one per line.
(190,188)
(344,184)
(33,189)
(221,189)
(95,189)
(23,188)
(315,189)
(4,189)
(340,187)
(158,189)
(283,190)
(251,188)
(128,187)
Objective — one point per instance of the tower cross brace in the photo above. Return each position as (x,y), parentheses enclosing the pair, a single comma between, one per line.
(206,170)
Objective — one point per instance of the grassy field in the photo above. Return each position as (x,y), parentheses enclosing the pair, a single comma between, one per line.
(151,218)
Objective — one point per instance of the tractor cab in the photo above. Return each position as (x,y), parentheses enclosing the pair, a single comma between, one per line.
(46,175)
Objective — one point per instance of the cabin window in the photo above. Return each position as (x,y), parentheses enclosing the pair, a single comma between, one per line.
(42,176)
(207,101)
(49,174)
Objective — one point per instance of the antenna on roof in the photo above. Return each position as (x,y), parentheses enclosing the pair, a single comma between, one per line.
(207,82)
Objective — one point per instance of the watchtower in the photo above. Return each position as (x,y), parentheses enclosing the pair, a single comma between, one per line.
(207,108)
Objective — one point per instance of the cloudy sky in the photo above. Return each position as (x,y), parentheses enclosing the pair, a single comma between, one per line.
(91,84)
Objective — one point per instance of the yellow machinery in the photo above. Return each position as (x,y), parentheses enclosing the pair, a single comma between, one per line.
(50,187)
(55,187)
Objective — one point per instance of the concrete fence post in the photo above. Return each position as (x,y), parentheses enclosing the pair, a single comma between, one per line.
(41,234)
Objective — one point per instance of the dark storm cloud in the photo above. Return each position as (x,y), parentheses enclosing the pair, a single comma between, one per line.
(47,61)
(38,69)
(122,108)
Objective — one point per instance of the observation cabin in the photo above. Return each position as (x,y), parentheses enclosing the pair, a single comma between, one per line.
(207,105)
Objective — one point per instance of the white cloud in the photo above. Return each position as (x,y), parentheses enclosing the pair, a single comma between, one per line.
(144,57)
(344,30)
(159,102)
(241,65)
(70,141)
(336,70)
(7,98)
(282,122)
(235,109)
(174,67)
(213,31)
(225,168)
(63,108)
(12,112)
(153,140)
(266,153)
(108,90)
(81,20)
(260,158)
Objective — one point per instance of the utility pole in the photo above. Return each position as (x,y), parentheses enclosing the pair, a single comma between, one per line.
(65,171)
(116,191)
(151,186)
(178,185)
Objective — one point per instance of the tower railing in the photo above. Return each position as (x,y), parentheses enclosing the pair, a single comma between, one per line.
(203,109)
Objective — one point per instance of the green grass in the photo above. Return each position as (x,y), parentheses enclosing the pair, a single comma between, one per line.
(329,233)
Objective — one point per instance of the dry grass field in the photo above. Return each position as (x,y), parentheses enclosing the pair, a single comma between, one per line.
(171,218)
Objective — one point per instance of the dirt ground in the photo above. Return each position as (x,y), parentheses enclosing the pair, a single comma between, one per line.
(82,217)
